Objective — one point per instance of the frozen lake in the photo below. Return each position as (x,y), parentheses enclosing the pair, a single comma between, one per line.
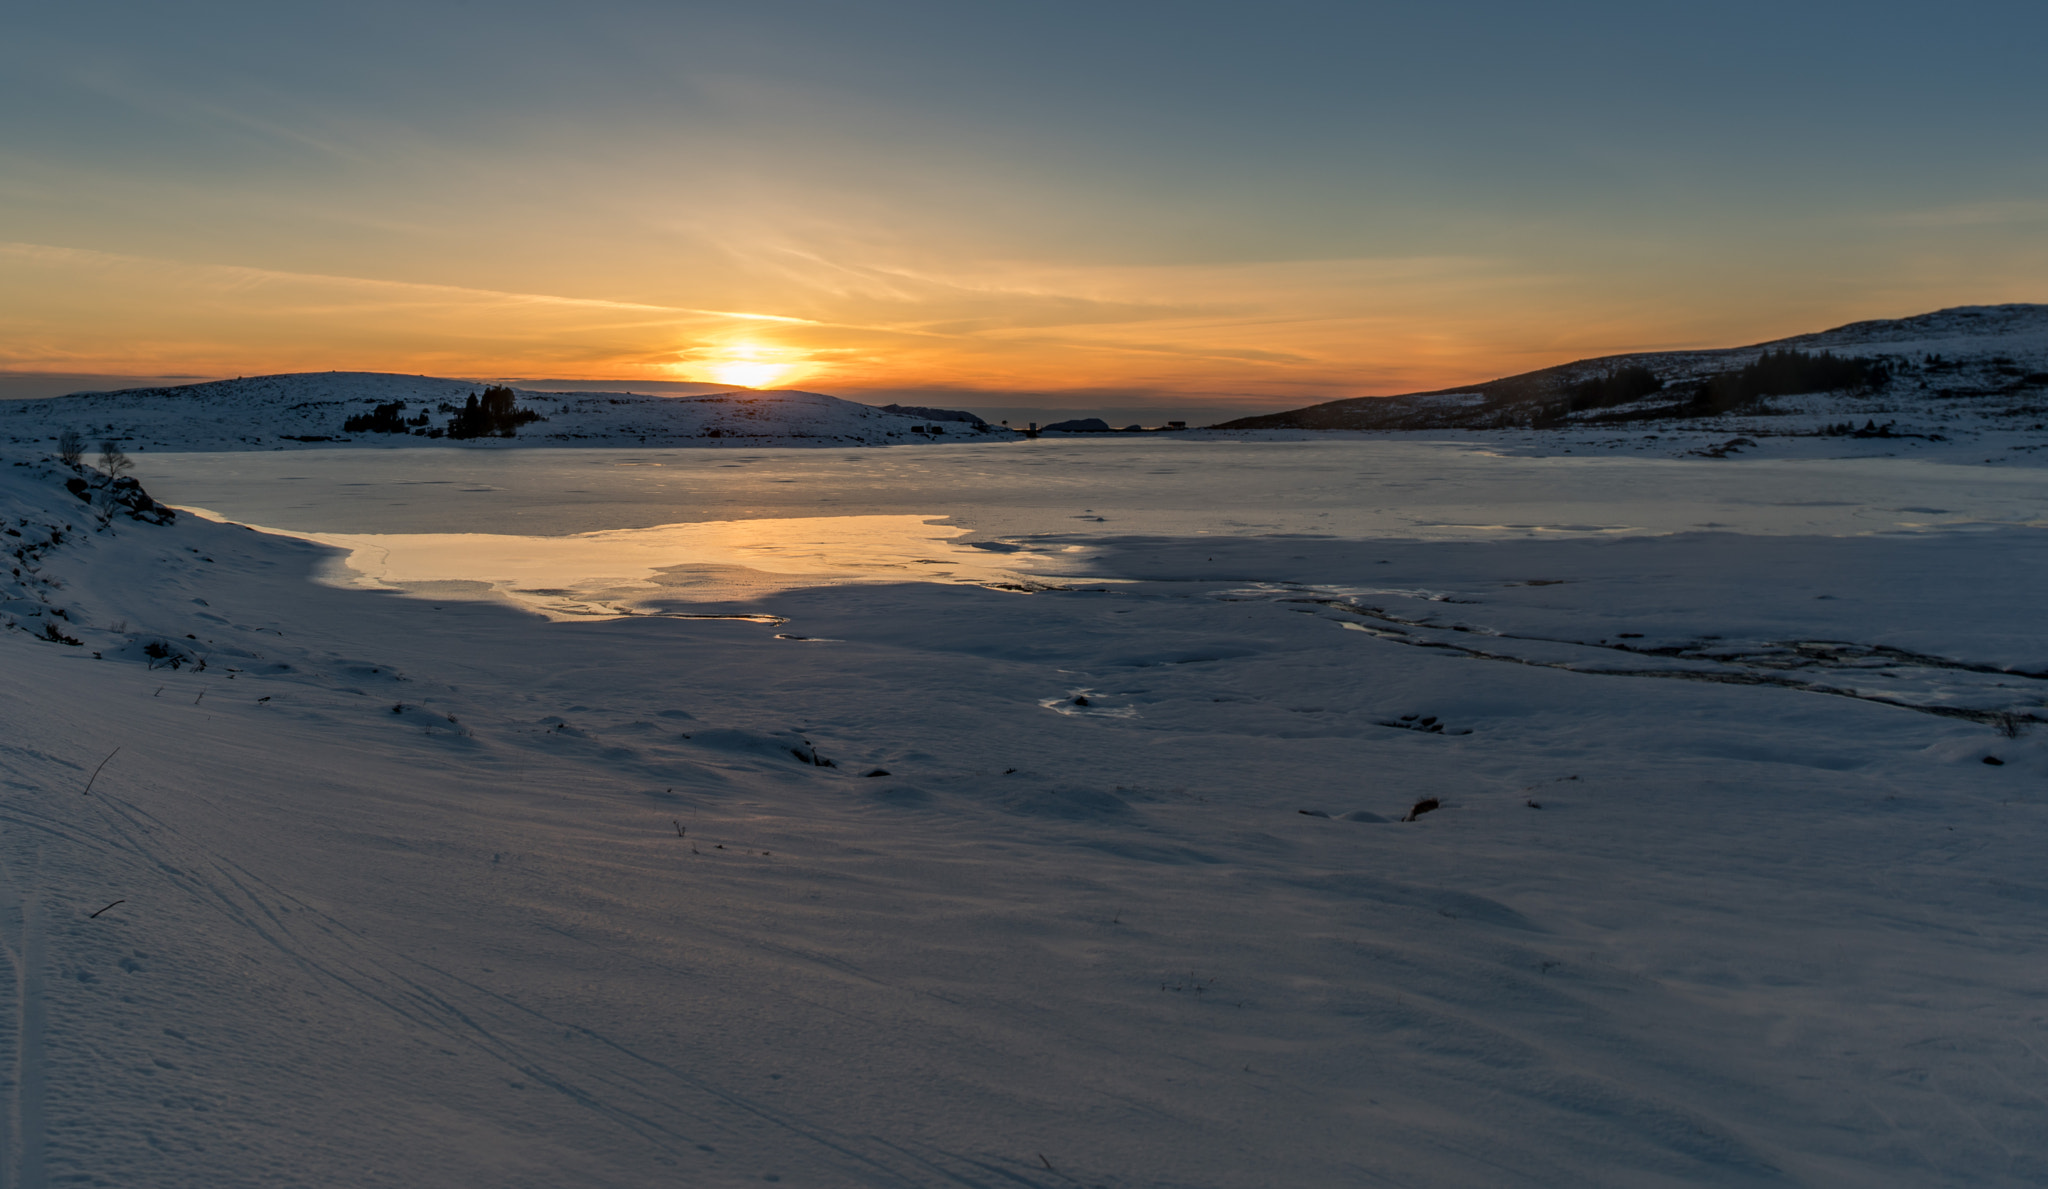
(1134,812)
(717,525)
(1456,489)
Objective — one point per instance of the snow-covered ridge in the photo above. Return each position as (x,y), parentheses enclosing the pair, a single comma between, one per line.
(1982,365)
(311,408)
(2015,327)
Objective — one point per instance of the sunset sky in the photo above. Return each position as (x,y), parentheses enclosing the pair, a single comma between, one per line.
(1054,205)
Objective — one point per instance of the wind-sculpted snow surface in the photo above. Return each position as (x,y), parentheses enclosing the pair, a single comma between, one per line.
(931,884)
(312,409)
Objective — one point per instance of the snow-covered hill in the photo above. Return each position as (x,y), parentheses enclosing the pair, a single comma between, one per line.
(2019,329)
(311,408)
(1980,366)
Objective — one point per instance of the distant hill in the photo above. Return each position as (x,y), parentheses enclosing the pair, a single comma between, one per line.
(929,414)
(318,409)
(1990,357)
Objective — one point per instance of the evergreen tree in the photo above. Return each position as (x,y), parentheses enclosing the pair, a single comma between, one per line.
(494,413)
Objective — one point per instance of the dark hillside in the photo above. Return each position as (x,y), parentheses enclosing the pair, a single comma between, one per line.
(1975,351)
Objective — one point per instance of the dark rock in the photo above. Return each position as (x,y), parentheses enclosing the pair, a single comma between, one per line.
(1426,805)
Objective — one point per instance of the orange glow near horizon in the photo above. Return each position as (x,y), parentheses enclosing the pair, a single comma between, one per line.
(746,364)
(1258,334)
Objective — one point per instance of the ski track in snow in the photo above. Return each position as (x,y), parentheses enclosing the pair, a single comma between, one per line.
(452,1008)
(21,934)
(31,1079)
(663,1105)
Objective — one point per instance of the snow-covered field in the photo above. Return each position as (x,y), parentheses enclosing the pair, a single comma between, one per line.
(311,410)
(1036,821)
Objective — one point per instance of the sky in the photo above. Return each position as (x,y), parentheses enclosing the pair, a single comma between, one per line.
(1183,206)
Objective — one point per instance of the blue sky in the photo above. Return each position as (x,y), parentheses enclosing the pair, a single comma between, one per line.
(1189,202)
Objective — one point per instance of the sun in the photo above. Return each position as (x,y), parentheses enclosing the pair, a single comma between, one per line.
(750,365)
(748,373)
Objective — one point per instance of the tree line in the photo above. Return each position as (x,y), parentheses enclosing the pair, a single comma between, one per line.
(494,413)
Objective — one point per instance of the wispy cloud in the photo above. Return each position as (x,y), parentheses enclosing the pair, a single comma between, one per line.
(850,315)
(120,312)
(232,278)
(1281,328)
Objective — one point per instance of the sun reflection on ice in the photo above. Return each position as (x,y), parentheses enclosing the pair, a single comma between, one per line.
(649,571)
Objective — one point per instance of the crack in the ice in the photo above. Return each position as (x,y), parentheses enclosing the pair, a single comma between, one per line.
(1805,654)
